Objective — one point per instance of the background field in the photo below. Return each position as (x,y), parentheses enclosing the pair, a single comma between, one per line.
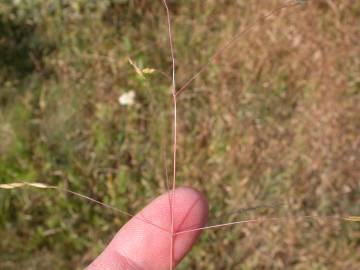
(274,121)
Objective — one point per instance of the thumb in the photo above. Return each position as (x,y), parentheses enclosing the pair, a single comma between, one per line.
(141,245)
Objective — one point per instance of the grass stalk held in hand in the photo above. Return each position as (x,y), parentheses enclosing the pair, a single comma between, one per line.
(174,98)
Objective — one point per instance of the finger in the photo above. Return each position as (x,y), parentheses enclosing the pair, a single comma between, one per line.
(140,245)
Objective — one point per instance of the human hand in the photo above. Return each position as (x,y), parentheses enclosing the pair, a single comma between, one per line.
(140,245)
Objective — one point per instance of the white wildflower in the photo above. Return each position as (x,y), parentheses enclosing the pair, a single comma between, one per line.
(127,99)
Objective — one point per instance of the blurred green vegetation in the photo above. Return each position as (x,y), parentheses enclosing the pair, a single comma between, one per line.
(276,119)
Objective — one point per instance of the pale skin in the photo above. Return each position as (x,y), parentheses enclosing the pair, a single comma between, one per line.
(140,245)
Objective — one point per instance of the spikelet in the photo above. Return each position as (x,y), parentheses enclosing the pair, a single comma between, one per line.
(352,218)
(148,70)
(139,71)
(23,184)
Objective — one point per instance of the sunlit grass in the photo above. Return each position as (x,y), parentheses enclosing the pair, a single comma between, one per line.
(274,120)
